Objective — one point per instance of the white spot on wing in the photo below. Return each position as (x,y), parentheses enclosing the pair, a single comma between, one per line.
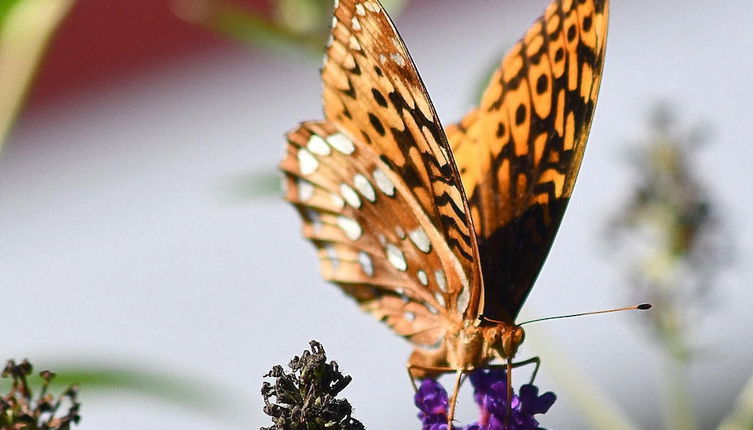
(305,190)
(441,280)
(463,299)
(307,163)
(419,238)
(364,187)
(354,45)
(440,299)
(337,201)
(410,316)
(355,24)
(398,59)
(396,258)
(341,143)
(366,264)
(350,227)
(422,278)
(332,256)
(400,232)
(383,182)
(350,196)
(360,10)
(317,145)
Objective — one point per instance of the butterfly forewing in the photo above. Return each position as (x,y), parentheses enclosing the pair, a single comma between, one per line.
(372,236)
(520,151)
(373,94)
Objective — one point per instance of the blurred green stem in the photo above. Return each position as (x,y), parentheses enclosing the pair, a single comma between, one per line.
(242,24)
(741,417)
(678,403)
(25,30)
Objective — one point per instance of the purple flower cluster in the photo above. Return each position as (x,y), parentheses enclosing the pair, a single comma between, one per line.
(490,393)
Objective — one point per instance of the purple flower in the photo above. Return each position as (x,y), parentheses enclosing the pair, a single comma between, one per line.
(490,393)
(432,403)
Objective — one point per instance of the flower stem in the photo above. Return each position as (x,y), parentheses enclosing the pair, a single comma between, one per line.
(678,410)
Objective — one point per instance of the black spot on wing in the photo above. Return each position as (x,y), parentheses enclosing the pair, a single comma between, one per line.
(378,97)
(377,124)
(542,84)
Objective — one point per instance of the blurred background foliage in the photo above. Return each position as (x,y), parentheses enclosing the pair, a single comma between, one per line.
(670,231)
(667,239)
(26,27)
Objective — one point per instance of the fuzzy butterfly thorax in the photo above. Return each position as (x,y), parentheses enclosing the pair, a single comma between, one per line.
(469,348)
(441,233)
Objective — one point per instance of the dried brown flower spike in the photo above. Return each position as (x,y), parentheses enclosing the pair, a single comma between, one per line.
(20,410)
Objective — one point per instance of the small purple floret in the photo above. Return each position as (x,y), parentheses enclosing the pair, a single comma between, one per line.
(490,393)
(432,403)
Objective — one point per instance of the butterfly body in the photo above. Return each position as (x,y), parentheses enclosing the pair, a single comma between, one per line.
(468,348)
(441,233)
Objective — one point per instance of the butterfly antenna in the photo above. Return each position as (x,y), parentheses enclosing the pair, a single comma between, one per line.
(641,307)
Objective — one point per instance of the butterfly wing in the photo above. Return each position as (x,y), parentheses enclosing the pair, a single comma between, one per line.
(372,235)
(373,94)
(377,187)
(520,151)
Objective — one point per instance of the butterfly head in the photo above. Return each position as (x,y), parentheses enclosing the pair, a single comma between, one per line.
(503,340)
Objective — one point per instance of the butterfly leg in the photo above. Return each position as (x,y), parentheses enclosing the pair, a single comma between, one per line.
(454,398)
(425,369)
(412,380)
(438,369)
(537,363)
(533,360)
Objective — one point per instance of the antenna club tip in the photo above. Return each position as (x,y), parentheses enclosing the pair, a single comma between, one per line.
(644,306)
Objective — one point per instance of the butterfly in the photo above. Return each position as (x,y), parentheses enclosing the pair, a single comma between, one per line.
(441,233)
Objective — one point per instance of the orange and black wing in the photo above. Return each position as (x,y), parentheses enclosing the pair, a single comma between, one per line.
(373,238)
(377,186)
(519,152)
(373,94)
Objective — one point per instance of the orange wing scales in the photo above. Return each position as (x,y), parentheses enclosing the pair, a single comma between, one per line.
(520,151)
(373,93)
(427,229)
(371,236)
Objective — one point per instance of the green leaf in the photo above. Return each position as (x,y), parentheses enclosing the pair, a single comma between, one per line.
(26,27)
(293,25)
(248,26)
(191,393)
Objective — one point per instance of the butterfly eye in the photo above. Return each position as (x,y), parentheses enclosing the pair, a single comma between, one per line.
(511,340)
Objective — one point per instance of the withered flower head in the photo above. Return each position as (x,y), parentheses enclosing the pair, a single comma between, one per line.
(20,410)
(305,398)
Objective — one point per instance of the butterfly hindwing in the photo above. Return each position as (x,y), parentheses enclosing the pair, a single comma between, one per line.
(520,151)
(372,237)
